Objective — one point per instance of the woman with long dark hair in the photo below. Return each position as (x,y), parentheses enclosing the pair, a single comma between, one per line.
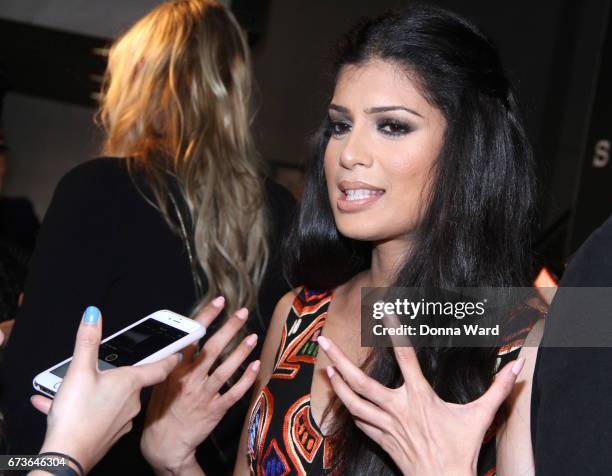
(422,177)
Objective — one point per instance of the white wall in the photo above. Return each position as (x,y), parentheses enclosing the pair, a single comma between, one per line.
(102,18)
(47,138)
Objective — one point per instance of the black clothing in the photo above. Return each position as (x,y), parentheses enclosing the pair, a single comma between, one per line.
(18,222)
(13,271)
(571,409)
(103,244)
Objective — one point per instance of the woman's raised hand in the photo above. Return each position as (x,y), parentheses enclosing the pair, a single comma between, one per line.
(186,408)
(423,434)
(92,408)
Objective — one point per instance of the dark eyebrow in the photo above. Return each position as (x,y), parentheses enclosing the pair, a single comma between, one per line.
(335,107)
(374,110)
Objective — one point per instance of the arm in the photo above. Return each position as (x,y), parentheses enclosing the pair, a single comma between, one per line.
(93,409)
(70,270)
(268,356)
(514,453)
(187,407)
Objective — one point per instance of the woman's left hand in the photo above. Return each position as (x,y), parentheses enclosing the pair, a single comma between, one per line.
(423,434)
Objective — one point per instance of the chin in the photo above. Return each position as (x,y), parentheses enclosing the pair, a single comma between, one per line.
(362,230)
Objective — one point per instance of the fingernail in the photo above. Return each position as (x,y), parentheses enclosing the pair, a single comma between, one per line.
(218,301)
(323,342)
(330,371)
(180,357)
(251,340)
(91,315)
(242,313)
(255,366)
(518,366)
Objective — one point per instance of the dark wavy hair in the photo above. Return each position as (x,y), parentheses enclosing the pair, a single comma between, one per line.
(476,230)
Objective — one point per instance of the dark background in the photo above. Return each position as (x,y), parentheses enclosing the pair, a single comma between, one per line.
(554,50)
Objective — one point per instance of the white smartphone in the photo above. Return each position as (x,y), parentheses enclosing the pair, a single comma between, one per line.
(148,340)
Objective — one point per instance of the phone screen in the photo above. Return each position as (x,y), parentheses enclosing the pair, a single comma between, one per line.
(133,345)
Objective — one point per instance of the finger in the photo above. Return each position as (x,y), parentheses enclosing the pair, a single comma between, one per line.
(501,388)
(87,341)
(237,390)
(124,429)
(357,406)
(189,353)
(210,312)
(42,404)
(151,374)
(371,431)
(411,369)
(218,342)
(353,375)
(406,358)
(224,372)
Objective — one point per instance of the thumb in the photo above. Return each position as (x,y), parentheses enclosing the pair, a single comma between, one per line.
(88,340)
(501,387)
(154,373)
(42,404)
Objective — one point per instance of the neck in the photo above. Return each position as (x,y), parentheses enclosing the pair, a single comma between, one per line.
(387,258)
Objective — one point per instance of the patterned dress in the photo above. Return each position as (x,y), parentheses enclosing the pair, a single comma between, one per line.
(283,437)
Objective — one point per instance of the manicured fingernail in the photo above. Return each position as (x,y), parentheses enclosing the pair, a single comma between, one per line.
(330,371)
(251,340)
(255,366)
(242,313)
(218,301)
(323,342)
(91,315)
(518,366)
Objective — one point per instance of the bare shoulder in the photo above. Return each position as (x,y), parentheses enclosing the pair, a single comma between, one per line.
(273,336)
(529,352)
(284,305)
(534,337)
(268,354)
(514,453)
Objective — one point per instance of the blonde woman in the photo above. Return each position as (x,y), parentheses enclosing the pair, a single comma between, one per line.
(174,215)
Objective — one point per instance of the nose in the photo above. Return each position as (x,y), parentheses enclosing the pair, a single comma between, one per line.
(355,150)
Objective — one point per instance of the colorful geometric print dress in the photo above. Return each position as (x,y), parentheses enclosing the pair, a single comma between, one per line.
(283,438)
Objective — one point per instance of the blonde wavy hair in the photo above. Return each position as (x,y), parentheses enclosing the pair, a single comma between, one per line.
(175,104)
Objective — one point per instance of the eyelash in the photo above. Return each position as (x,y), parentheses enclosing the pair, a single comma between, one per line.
(394,128)
(336,125)
(397,128)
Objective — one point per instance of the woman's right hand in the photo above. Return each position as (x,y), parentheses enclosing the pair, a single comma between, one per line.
(186,408)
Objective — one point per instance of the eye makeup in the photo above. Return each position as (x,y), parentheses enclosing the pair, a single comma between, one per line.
(339,122)
(338,125)
(393,127)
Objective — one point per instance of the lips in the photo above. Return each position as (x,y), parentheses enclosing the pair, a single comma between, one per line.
(355,196)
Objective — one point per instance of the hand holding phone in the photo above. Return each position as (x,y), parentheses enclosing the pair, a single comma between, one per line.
(148,340)
(93,409)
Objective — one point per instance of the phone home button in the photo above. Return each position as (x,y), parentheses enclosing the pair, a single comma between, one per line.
(56,385)
(111,357)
